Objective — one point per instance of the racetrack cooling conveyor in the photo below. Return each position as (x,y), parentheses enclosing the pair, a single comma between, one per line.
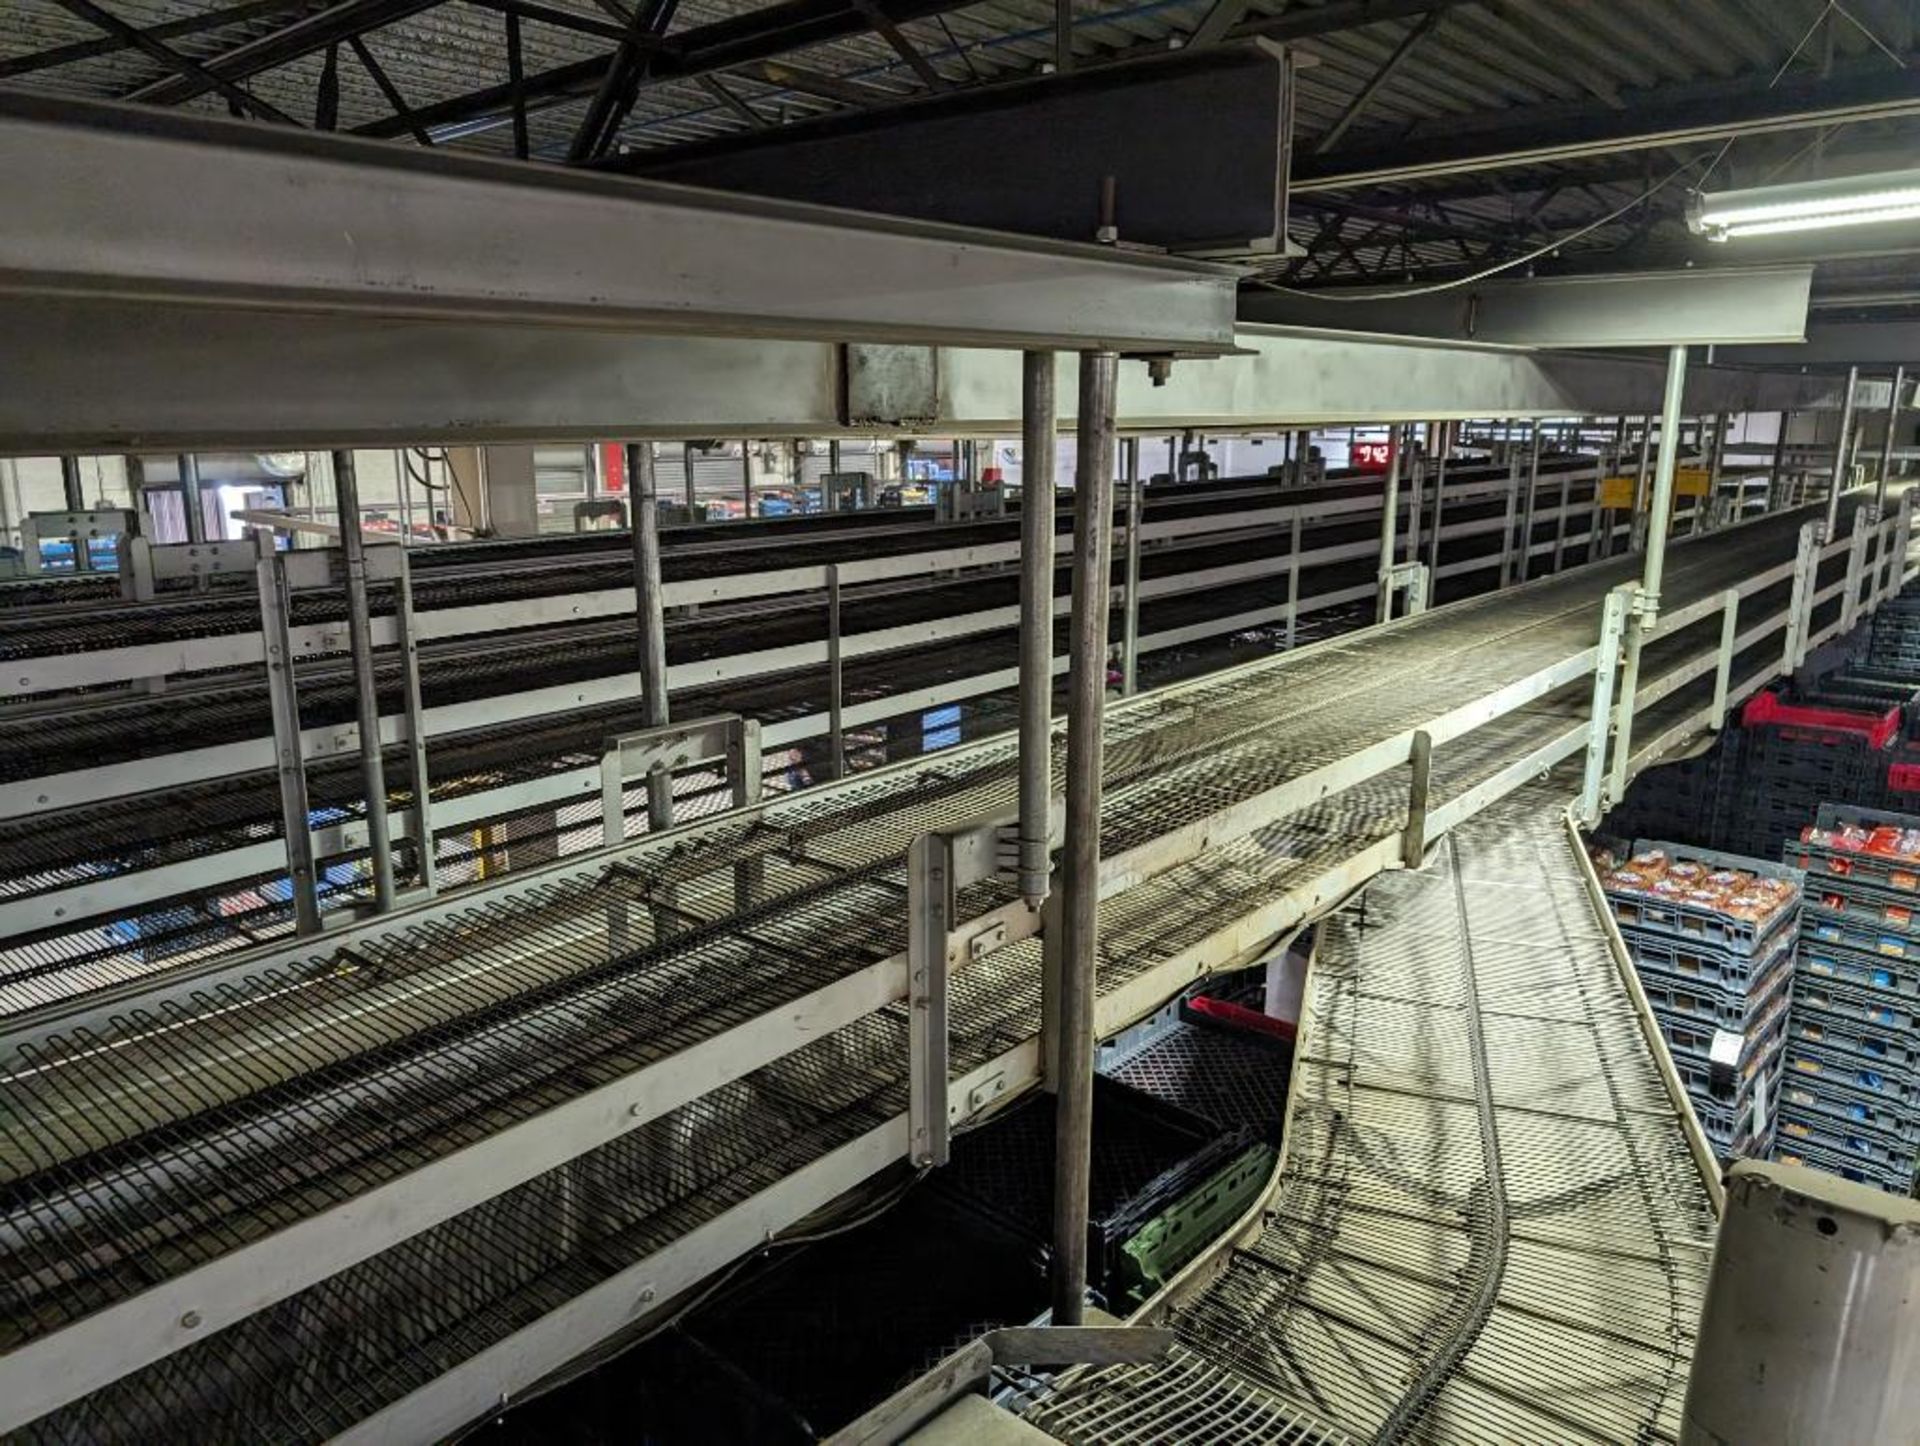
(1490,1226)
(375,1183)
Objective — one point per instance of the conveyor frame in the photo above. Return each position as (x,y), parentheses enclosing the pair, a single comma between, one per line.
(188,1307)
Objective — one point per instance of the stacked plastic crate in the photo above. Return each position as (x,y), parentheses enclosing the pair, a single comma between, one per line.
(1850,1102)
(1712,938)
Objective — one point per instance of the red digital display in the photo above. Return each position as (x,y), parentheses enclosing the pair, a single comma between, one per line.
(1372,456)
(613,467)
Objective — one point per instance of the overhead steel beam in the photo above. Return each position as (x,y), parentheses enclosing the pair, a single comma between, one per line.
(59,55)
(1388,69)
(90,376)
(1037,154)
(1651,119)
(760,35)
(1637,309)
(290,42)
(110,201)
(1839,344)
(189,71)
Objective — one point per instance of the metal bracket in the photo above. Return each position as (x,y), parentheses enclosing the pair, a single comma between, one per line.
(1413,577)
(970,1370)
(719,739)
(1413,841)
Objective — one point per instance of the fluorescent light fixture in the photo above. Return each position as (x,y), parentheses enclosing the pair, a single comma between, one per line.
(1806,206)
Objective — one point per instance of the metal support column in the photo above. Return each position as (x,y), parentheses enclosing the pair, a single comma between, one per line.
(643,493)
(283,695)
(746,477)
(1646,601)
(1723,667)
(836,677)
(76,498)
(1637,521)
(1600,520)
(1441,449)
(1413,838)
(1302,445)
(744,778)
(1506,522)
(1842,463)
(1130,632)
(373,773)
(1806,564)
(930,900)
(427,868)
(1613,621)
(1777,481)
(1716,464)
(1389,519)
(686,477)
(1533,502)
(1037,496)
(1856,569)
(1293,579)
(1886,442)
(194,512)
(1080,872)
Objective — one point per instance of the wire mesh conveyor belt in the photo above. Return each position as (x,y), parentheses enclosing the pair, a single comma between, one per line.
(467,575)
(1489,1226)
(142,1136)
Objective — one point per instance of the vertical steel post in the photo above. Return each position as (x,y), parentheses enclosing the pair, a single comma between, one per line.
(1856,569)
(1716,464)
(1662,506)
(1130,630)
(1038,453)
(649,600)
(1886,442)
(1444,446)
(1646,602)
(1600,524)
(1613,621)
(283,696)
(836,677)
(194,510)
(744,764)
(1506,522)
(1841,459)
(75,495)
(1389,519)
(373,773)
(405,493)
(1302,445)
(1637,521)
(746,477)
(1080,873)
(1533,500)
(1293,578)
(422,782)
(1723,668)
(1806,563)
(1777,480)
(1413,838)
(930,902)
(686,477)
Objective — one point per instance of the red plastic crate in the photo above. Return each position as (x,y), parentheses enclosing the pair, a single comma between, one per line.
(1766,708)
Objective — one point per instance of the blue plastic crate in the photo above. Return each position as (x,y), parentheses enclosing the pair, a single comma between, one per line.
(1790,1151)
(1706,999)
(1806,1096)
(1878,1008)
(1686,980)
(1870,1045)
(1733,973)
(1862,971)
(1840,1069)
(1872,1149)
(1692,1039)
